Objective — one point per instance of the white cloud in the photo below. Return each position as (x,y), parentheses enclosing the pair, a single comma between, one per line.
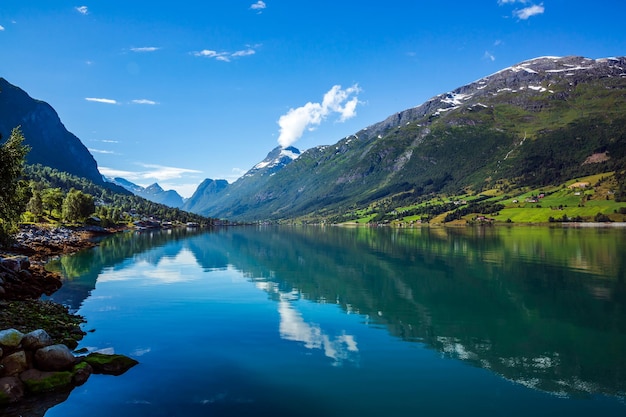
(112,173)
(101,100)
(163,173)
(225,56)
(246,52)
(488,55)
(530,11)
(259,5)
(153,171)
(501,2)
(145,101)
(82,10)
(109,141)
(145,49)
(100,151)
(1,28)
(296,121)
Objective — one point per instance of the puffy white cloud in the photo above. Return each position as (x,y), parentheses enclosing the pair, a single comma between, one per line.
(145,101)
(296,121)
(145,49)
(259,5)
(530,11)
(1,28)
(82,9)
(101,100)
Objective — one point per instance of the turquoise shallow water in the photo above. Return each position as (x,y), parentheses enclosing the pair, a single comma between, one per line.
(363,322)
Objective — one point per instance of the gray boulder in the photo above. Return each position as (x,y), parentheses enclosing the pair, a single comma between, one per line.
(14,364)
(11,338)
(36,340)
(54,358)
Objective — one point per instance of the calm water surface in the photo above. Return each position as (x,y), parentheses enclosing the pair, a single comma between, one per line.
(360,322)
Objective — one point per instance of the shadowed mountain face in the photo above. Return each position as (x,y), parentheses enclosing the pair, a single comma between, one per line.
(535,123)
(51,144)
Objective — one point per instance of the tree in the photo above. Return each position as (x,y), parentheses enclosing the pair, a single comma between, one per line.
(52,199)
(77,206)
(14,191)
(35,204)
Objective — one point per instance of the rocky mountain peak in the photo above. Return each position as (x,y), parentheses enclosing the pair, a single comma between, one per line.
(154,189)
(278,158)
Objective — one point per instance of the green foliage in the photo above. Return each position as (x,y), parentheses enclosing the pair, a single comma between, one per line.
(14,192)
(481,208)
(77,206)
(35,204)
(113,204)
(52,199)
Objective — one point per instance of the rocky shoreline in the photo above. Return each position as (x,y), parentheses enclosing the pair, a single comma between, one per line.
(22,266)
(27,379)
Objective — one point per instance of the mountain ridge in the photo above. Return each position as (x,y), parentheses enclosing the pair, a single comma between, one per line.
(508,128)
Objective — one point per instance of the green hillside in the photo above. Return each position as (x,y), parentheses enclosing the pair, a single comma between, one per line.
(538,124)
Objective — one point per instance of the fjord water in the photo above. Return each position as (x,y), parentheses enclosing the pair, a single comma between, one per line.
(311,321)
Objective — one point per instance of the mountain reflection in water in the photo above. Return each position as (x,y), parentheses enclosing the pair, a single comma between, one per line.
(542,307)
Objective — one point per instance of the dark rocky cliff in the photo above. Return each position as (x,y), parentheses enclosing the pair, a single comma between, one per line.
(51,143)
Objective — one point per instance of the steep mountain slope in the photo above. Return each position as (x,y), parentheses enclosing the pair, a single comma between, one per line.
(153,192)
(212,195)
(52,145)
(538,122)
(205,195)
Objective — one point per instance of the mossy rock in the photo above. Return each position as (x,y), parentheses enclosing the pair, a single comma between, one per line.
(81,373)
(11,338)
(37,381)
(109,364)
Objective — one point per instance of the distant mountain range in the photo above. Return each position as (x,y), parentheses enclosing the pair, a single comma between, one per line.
(153,192)
(540,122)
(51,144)
(536,123)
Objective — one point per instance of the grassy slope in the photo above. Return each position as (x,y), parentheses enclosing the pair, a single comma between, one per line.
(559,200)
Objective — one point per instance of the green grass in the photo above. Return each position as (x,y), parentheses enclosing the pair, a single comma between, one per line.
(559,200)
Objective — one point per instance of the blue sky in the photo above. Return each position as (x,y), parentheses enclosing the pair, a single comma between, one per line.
(177,92)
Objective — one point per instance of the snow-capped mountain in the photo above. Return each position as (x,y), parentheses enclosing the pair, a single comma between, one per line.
(211,193)
(276,160)
(539,122)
